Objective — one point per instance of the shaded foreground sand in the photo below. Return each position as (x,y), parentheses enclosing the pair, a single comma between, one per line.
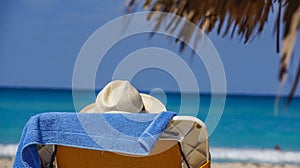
(8,163)
(251,165)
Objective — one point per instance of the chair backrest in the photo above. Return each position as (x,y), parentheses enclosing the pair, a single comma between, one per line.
(166,154)
(193,136)
(192,152)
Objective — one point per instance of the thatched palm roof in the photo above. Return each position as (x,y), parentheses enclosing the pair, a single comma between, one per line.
(236,18)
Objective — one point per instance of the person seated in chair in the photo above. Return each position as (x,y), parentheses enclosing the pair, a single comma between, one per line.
(116,96)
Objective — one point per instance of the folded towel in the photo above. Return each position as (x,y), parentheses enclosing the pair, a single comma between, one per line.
(128,133)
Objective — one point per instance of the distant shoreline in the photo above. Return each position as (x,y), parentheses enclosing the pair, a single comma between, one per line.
(219,155)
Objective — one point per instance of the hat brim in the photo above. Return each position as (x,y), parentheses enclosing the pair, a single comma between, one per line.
(151,104)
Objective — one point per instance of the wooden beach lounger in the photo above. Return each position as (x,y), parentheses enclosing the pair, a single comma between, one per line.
(184,143)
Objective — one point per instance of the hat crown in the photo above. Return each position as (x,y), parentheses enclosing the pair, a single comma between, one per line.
(119,96)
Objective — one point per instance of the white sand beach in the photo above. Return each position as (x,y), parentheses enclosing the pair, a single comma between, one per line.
(8,163)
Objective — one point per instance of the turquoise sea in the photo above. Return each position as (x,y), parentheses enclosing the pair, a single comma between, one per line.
(248,129)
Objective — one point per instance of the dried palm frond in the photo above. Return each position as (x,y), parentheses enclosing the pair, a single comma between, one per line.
(242,18)
(292,21)
(248,17)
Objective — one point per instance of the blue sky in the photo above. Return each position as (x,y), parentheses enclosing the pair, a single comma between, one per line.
(40,41)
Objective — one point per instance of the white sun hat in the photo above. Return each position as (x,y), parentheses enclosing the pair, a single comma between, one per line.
(120,95)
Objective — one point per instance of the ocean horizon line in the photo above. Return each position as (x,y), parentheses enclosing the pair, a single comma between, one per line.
(234,94)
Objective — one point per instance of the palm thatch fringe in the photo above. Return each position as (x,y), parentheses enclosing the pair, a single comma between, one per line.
(243,18)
